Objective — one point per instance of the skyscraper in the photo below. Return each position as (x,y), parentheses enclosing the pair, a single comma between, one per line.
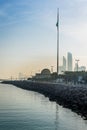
(69,61)
(64,63)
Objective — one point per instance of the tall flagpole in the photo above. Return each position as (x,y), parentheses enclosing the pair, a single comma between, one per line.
(57,24)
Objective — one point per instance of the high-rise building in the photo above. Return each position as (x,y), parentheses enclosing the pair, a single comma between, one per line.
(76,67)
(64,63)
(69,61)
(80,68)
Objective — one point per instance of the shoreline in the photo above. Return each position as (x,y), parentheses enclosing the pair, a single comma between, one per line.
(72,97)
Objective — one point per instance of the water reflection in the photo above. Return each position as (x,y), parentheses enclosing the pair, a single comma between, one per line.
(56,119)
(26,110)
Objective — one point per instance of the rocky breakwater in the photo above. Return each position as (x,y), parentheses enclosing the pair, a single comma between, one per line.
(73,97)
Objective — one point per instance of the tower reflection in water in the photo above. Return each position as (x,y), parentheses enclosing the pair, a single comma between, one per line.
(56,118)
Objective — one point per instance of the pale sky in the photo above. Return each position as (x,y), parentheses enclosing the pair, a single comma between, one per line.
(28,34)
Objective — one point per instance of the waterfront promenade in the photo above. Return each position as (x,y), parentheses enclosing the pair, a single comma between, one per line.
(70,96)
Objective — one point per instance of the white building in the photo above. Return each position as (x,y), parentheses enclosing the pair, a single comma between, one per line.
(80,68)
(69,61)
(64,63)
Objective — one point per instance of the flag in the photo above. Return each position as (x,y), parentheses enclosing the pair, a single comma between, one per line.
(57,24)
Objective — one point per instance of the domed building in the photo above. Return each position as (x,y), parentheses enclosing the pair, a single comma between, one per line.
(45,74)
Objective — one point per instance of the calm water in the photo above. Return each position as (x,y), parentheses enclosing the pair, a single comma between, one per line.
(26,110)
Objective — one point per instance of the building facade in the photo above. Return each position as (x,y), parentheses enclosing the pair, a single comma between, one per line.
(64,63)
(69,61)
(45,74)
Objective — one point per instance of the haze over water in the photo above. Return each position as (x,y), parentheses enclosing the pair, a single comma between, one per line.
(26,110)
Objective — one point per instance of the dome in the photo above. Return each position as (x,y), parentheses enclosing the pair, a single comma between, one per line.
(45,72)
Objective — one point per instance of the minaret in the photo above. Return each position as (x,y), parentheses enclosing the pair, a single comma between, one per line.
(57,25)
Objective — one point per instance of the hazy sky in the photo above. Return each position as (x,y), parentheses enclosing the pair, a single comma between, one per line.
(28,34)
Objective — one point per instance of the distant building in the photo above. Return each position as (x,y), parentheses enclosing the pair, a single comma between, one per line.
(81,68)
(76,66)
(21,76)
(64,63)
(45,73)
(61,69)
(69,61)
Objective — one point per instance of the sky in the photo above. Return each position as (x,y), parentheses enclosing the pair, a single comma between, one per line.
(28,34)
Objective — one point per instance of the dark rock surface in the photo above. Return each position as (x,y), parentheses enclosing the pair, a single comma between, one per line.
(73,97)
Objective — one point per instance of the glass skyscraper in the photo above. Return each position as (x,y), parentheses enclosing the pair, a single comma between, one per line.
(69,61)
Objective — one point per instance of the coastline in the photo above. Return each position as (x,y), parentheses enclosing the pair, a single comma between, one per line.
(72,97)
